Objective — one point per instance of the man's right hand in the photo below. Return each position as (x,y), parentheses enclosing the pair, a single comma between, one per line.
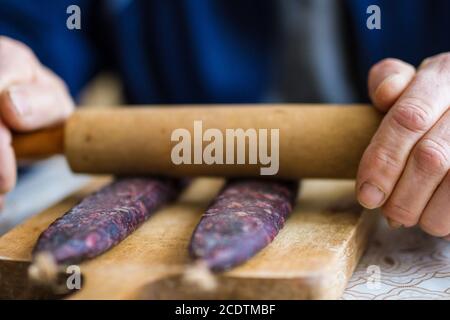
(31,97)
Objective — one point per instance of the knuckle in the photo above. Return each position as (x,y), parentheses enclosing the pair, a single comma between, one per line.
(434,227)
(431,157)
(46,75)
(445,57)
(13,49)
(443,63)
(5,42)
(401,214)
(381,157)
(425,62)
(413,115)
(437,66)
(8,45)
(4,47)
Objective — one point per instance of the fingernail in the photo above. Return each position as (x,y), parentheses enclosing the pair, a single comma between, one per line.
(393,224)
(396,77)
(397,80)
(370,196)
(394,81)
(19,102)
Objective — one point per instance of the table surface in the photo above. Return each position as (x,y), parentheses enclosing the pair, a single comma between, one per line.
(398,264)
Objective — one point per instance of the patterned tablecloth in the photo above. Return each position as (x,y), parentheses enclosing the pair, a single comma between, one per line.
(398,264)
(402,264)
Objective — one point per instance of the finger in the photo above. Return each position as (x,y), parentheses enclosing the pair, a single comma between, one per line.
(436,218)
(425,170)
(416,111)
(7,161)
(387,81)
(17,63)
(34,105)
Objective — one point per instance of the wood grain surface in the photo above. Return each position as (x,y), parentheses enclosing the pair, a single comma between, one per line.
(311,258)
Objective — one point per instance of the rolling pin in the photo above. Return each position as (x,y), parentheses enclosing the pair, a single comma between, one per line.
(315,141)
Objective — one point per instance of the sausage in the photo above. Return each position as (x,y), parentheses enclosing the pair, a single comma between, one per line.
(103,219)
(244,218)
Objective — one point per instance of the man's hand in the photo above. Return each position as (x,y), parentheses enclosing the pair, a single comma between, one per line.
(405,169)
(31,97)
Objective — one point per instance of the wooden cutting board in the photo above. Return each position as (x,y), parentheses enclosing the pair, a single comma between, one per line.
(311,258)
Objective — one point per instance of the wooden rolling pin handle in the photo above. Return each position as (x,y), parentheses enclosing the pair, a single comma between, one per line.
(39,144)
(317,141)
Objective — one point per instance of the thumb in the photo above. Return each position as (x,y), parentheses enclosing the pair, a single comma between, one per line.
(31,106)
(387,81)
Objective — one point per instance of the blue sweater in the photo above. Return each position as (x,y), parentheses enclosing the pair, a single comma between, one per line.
(199,51)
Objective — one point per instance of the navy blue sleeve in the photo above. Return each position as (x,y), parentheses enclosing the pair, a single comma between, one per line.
(411,30)
(42,26)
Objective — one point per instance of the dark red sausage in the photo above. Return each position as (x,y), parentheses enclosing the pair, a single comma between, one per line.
(243,219)
(105,218)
